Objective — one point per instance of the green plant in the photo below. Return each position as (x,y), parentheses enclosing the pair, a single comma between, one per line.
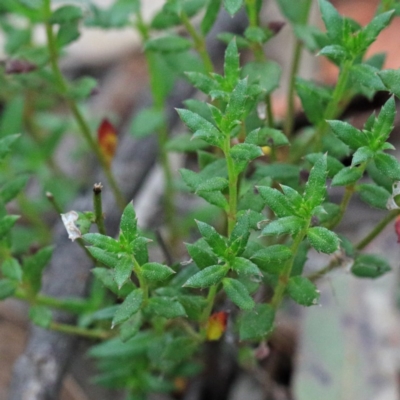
(248,170)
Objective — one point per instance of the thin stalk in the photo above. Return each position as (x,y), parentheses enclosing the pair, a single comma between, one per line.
(76,306)
(379,227)
(287,270)
(333,106)
(162,135)
(199,42)
(296,59)
(98,208)
(212,292)
(80,120)
(76,330)
(233,185)
(362,244)
(348,193)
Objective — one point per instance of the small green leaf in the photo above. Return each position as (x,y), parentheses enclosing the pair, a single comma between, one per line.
(123,271)
(202,81)
(130,327)
(238,293)
(168,44)
(7,288)
(315,191)
(387,165)
(33,266)
(348,134)
(333,164)
(391,79)
(40,316)
(207,277)
(66,14)
(156,272)
(11,188)
(384,123)
(372,30)
(333,21)
(131,305)
(276,201)
(210,16)
(323,239)
(139,249)
(11,269)
(370,266)
(107,278)
(255,34)
(243,266)
(367,76)
(313,99)
(231,64)
(243,153)
(103,242)
(166,307)
(282,226)
(256,323)
(272,258)
(213,238)
(363,154)
(146,122)
(265,74)
(236,107)
(6,144)
(375,196)
(202,128)
(267,137)
(302,291)
(128,224)
(334,52)
(106,258)
(6,223)
(233,6)
(193,305)
(83,87)
(347,176)
(213,184)
(201,256)
(185,144)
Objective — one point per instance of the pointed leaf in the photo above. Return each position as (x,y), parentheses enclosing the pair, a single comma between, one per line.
(348,134)
(238,293)
(207,277)
(375,196)
(282,226)
(272,258)
(233,6)
(370,266)
(231,63)
(302,291)
(128,223)
(323,239)
(347,176)
(388,165)
(315,191)
(276,201)
(213,238)
(123,271)
(256,323)
(130,306)
(156,272)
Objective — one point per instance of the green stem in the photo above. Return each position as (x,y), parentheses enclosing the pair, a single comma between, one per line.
(142,280)
(287,270)
(98,208)
(334,105)
(297,52)
(348,193)
(233,185)
(76,330)
(77,306)
(162,135)
(212,292)
(82,124)
(379,227)
(199,42)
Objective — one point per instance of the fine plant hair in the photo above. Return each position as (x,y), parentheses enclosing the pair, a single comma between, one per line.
(262,186)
